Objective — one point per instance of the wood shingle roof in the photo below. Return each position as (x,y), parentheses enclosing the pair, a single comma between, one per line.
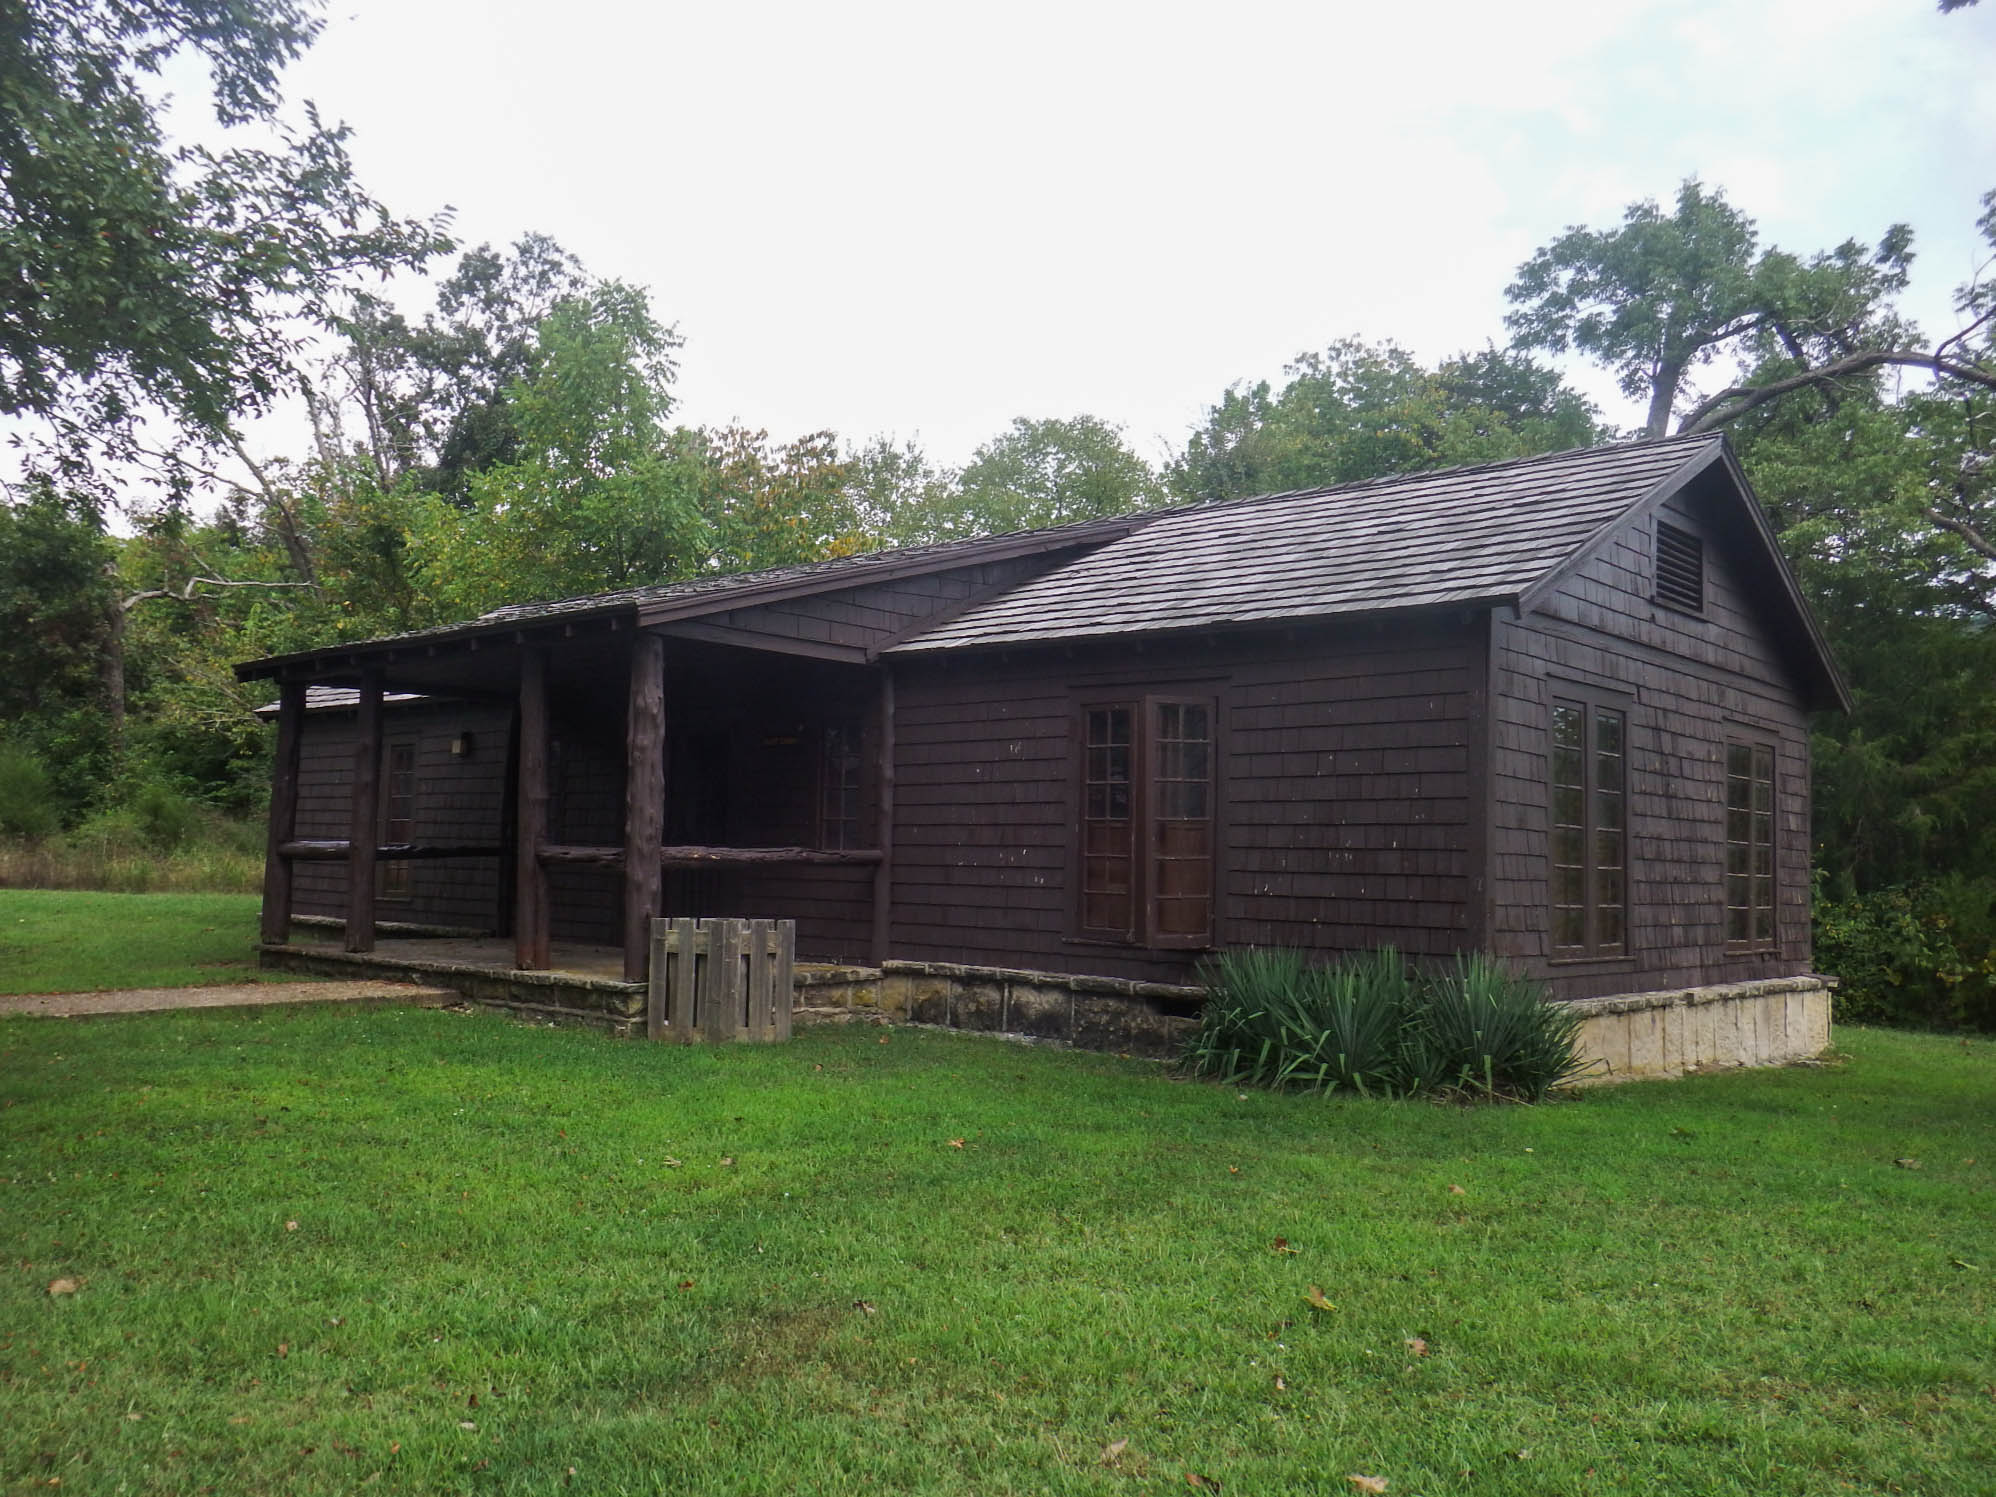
(1459,535)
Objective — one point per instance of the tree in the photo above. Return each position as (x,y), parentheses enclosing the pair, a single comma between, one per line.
(137,277)
(1358,411)
(1035,473)
(599,496)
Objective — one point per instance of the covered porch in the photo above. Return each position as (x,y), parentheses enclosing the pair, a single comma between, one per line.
(526,799)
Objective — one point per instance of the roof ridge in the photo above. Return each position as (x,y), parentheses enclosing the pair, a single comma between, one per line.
(1423,475)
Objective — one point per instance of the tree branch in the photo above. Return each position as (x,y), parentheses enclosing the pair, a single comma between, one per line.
(1730,405)
(186,593)
(1976,541)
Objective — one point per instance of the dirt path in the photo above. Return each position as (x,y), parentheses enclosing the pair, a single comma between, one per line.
(238,995)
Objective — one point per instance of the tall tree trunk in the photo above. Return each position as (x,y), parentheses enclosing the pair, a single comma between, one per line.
(114,677)
(1663,395)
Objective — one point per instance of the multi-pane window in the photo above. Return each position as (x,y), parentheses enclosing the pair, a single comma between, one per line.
(838,788)
(1749,846)
(1589,829)
(398,817)
(1147,821)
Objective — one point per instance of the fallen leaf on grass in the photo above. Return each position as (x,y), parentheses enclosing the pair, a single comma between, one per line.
(291,1226)
(685,1284)
(727,1161)
(1201,1483)
(64,1286)
(394,1447)
(671,1164)
(883,1039)
(284,1348)
(1113,1451)
(956,1143)
(1417,1346)
(1281,1248)
(1907,1164)
(135,1414)
(467,1424)
(239,1418)
(1314,1297)
(1457,1190)
(1281,1384)
(1368,1483)
(864,1306)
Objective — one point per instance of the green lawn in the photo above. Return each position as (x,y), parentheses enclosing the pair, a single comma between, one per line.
(61,941)
(403,1250)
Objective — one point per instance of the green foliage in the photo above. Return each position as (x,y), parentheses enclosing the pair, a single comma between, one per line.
(27,801)
(1036,473)
(1482,1027)
(1922,954)
(1359,411)
(134,276)
(1368,1024)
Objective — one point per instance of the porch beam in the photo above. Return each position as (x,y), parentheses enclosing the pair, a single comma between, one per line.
(531,937)
(365,834)
(644,798)
(561,855)
(283,814)
(883,873)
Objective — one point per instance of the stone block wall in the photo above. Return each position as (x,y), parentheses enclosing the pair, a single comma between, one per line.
(1768,1023)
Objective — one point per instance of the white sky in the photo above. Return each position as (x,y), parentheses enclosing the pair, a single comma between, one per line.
(927,219)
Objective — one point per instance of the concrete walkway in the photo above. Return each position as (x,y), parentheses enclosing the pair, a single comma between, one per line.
(237,995)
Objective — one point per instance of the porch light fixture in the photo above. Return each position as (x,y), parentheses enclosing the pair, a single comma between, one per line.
(460,746)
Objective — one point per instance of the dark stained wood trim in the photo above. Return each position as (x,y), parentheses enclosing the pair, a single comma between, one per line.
(883,873)
(332,849)
(1482,754)
(775,644)
(283,815)
(1678,479)
(509,830)
(531,936)
(365,832)
(569,855)
(644,798)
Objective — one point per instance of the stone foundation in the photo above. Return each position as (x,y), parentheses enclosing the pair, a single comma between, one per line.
(1089,1013)
(1631,1036)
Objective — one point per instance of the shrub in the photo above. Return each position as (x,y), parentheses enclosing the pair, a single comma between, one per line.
(1367,1024)
(27,800)
(1921,955)
(1485,1028)
(1273,1019)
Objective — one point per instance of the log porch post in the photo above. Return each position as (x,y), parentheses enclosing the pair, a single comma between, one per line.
(530,880)
(883,872)
(644,800)
(364,833)
(283,814)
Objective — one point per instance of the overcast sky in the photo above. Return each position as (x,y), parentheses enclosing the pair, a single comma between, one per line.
(928,219)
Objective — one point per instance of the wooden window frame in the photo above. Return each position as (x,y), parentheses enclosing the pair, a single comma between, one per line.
(1145,844)
(393,876)
(838,833)
(1760,749)
(1596,804)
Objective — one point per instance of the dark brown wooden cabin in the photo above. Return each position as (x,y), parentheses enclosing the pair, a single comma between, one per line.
(1555,709)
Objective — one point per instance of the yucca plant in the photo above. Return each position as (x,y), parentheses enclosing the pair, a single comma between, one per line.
(1271,1018)
(1483,1028)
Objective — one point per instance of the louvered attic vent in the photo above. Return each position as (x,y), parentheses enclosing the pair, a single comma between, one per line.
(1680,569)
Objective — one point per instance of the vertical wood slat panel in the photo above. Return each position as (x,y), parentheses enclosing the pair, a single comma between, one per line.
(723,1016)
(283,813)
(761,969)
(655,993)
(530,898)
(785,997)
(364,833)
(684,967)
(644,798)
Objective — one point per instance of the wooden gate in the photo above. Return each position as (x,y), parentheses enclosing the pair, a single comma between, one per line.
(721,980)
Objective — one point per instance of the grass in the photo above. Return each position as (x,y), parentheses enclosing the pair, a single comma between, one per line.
(67,942)
(320,1251)
(219,857)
